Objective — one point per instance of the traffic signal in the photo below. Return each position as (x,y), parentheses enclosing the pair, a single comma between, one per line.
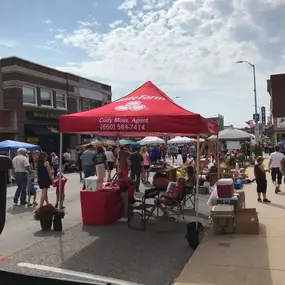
(263,115)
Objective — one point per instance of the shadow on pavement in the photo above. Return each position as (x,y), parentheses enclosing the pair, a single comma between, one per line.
(49,233)
(14,210)
(276,205)
(136,256)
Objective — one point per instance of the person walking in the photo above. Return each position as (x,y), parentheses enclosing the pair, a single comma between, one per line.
(184,153)
(136,166)
(79,164)
(146,165)
(54,163)
(21,167)
(275,164)
(100,162)
(44,177)
(123,157)
(173,150)
(87,159)
(110,161)
(193,151)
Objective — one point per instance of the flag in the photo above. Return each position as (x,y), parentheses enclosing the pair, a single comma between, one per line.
(251,123)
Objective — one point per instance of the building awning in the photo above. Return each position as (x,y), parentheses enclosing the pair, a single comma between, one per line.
(42,129)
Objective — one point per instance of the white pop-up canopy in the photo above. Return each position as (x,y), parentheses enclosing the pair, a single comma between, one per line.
(151,140)
(179,140)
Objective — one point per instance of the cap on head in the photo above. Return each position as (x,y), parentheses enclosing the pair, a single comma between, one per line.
(21,151)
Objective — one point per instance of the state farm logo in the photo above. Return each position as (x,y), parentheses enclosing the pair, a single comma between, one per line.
(131,106)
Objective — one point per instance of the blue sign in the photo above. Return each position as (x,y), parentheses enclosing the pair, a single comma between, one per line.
(256,117)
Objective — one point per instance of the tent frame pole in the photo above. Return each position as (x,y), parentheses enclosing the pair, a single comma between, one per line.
(60,169)
(218,156)
(197,180)
(11,171)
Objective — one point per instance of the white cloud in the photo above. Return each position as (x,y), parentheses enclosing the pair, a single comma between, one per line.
(116,24)
(189,46)
(88,23)
(56,30)
(128,4)
(7,43)
(51,46)
(47,22)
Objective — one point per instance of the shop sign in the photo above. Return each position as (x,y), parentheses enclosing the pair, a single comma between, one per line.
(280,123)
(42,115)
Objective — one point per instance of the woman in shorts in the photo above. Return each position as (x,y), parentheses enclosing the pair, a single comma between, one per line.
(261,182)
(146,165)
(44,177)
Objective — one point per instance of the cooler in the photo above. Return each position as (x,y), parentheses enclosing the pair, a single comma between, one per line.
(91,183)
(99,207)
(228,201)
(241,195)
(223,219)
(225,188)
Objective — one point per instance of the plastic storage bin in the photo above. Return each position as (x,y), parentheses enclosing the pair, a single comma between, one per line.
(225,188)
(223,219)
(228,201)
(91,183)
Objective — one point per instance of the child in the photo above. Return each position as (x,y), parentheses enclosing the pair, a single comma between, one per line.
(56,184)
(243,176)
(31,189)
(260,176)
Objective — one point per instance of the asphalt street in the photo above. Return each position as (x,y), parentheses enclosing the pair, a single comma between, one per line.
(113,251)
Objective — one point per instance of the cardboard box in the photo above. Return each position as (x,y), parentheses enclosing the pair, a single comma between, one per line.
(246,221)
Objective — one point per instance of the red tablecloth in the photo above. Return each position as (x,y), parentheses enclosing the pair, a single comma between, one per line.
(100,207)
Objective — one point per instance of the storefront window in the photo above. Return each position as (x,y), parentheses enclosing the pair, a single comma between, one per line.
(61,101)
(95,104)
(46,98)
(85,105)
(29,95)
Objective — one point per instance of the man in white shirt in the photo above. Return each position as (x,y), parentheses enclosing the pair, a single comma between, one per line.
(274,165)
(21,167)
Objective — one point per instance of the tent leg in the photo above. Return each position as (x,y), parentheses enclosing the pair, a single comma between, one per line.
(60,166)
(11,171)
(197,180)
(218,156)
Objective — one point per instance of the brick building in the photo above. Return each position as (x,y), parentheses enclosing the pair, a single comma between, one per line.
(33,97)
(276,122)
(220,120)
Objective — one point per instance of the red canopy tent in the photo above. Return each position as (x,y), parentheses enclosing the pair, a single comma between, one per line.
(145,111)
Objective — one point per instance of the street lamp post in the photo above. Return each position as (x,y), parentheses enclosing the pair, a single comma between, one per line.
(256,127)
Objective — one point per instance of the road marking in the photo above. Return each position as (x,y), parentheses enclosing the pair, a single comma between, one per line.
(99,279)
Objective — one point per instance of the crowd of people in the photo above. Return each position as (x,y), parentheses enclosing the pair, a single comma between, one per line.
(96,160)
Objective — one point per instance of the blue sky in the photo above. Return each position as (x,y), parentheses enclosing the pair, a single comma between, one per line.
(187,47)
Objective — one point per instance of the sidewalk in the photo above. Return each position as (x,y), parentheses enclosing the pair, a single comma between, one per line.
(243,259)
